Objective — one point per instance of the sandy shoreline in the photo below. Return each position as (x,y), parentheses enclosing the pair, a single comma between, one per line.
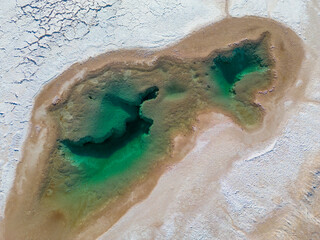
(286,47)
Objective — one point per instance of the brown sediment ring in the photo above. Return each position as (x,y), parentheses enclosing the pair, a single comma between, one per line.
(286,49)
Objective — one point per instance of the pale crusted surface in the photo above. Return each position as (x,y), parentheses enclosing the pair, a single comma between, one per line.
(191,200)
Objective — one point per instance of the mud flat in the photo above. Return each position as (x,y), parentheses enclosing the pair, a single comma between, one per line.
(105,130)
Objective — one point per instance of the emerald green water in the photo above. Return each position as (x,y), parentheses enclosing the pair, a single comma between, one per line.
(118,126)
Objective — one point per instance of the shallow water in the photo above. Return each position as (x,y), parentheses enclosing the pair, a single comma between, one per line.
(117,126)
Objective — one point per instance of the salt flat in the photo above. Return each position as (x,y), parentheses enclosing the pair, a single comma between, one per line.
(267,189)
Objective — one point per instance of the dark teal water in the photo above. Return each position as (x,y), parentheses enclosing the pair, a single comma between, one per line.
(231,66)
